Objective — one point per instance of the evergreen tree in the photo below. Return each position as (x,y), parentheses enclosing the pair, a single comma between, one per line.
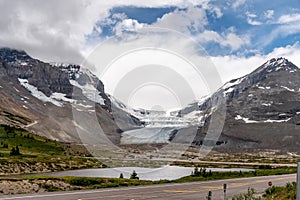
(134,175)
(210,173)
(15,151)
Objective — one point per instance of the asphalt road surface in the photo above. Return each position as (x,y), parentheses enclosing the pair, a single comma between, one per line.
(182,191)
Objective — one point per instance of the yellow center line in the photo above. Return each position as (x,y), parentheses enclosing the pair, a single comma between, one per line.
(174,192)
(181,191)
(211,187)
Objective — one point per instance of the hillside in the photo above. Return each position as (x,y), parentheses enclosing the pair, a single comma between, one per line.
(262,110)
(38,154)
(42,98)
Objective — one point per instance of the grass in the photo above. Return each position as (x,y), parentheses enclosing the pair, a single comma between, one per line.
(38,153)
(80,183)
(30,144)
(229,175)
(287,192)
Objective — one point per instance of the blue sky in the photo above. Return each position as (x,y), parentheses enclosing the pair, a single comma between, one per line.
(237,35)
(261,25)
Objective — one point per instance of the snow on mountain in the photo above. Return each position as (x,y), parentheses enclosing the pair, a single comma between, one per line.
(38,94)
(90,92)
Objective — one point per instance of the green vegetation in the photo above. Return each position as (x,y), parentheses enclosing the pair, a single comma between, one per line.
(288,192)
(249,195)
(80,183)
(134,175)
(29,144)
(51,184)
(94,183)
(26,152)
(202,174)
(281,193)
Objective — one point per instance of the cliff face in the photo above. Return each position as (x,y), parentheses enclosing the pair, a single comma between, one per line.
(41,97)
(262,110)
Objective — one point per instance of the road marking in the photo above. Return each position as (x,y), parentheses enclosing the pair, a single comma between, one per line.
(181,191)
(211,187)
(132,189)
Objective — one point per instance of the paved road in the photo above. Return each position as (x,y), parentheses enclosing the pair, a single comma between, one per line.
(184,191)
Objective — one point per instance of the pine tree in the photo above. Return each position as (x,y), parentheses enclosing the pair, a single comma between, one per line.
(15,151)
(134,175)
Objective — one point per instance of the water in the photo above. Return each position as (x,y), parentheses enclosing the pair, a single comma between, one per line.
(153,174)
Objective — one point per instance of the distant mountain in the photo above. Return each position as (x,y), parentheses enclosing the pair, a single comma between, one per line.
(263,109)
(39,96)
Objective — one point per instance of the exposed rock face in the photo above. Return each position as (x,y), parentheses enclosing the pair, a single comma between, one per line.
(40,96)
(263,109)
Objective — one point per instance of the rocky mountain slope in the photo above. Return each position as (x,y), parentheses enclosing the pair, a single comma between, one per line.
(262,109)
(41,97)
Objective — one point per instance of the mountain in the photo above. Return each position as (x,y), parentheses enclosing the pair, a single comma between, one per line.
(62,101)
(42,97)
(262,110)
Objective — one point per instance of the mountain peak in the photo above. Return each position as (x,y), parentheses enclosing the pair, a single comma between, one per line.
(278,64)
(13,55)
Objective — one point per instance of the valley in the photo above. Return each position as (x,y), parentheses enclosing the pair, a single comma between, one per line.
(66,121)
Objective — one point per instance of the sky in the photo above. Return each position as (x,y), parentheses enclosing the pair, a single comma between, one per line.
(235,36)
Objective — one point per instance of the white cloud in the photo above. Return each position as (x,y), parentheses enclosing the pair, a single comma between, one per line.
(241,66)
(216,11)
(250,19)
(56,30)
(281,31)
(117,60)
(253,22)
(238,3)
(52,30)
(269,14)
(285,19)
(235,41)
(128,25)
(250,15)
(230,38)
(193,18)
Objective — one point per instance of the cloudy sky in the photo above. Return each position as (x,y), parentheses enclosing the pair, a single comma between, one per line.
(237,35)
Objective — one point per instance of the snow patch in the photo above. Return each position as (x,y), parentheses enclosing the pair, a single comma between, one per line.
(266,104)
(229,90)
(289,89)
(282,114)
(61,97)
(276,121)
(246,120)
(85,106)
(90,92)
(264,88)
(38,94)
(230,84)
(24,63)
(16,89)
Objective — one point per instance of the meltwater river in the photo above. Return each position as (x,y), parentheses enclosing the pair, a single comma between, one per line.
(163,173)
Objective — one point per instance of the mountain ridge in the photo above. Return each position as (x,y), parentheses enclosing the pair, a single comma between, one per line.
(260,105)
